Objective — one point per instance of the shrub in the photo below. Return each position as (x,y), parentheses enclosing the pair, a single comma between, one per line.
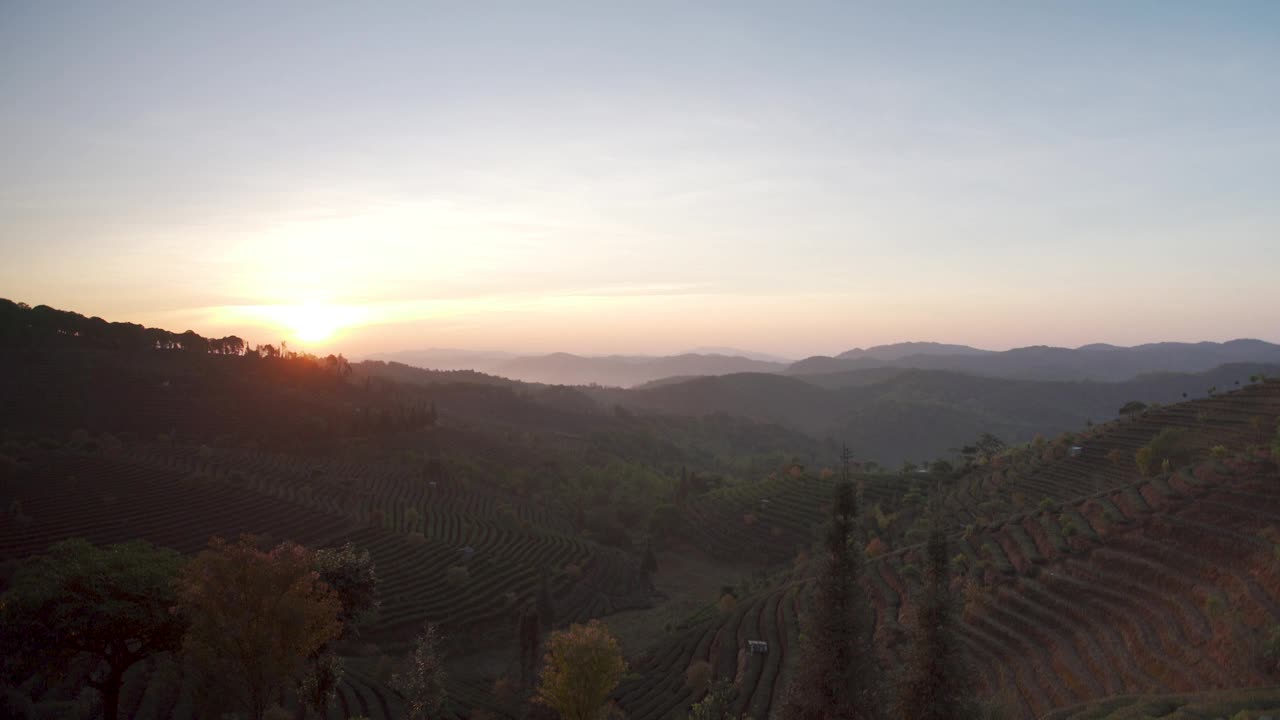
(1143,459)
(1219,451)
(1170,445)
(1046,505)
(1068,526)
(727,603)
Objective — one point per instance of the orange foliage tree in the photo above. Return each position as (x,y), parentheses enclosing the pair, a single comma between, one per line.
(255,616)
(582,667)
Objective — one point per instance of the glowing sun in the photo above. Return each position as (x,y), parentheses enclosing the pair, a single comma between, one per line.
(312,323)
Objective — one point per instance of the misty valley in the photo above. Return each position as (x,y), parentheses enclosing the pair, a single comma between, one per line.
(196,526)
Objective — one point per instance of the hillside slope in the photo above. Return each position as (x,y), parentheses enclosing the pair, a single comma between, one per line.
(1127,585)
(890,414)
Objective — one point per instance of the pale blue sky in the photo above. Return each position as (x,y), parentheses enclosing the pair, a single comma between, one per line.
(647,177)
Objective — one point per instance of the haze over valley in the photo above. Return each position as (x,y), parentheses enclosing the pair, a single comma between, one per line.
(659,361)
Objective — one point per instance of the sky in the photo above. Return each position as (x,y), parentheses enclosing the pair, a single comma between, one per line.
(599,177)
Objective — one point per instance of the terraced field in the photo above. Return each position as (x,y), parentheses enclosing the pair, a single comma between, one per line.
(1232,704)
(1148,586)
(770,521)
(108,500)
(159,691)
(417,530)
(180,497)
(111,500)
(1233,420)
(661,691)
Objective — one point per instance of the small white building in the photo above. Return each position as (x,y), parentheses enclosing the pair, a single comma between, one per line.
(758,647)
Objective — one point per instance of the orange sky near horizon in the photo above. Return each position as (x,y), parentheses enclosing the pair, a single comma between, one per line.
(646,178)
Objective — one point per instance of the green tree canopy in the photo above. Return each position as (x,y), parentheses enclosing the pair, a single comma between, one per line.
(112,605)
(256,618)
(349,572)
(1133,407)
(582,667)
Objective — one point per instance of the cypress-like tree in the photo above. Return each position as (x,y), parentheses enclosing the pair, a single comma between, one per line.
(837,674)
(545,605)
(530,635)
(649,562)
(935,684)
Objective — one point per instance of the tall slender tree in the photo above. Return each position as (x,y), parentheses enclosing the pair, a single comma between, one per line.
(421,681)
(838,674)
(545,604)
(530,635)
(935,683)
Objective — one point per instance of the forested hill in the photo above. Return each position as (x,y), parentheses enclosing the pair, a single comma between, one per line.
(62,373)
(893,414)
(1099,362)
(68,371)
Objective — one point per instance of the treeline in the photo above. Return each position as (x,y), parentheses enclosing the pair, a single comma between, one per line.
(22,325)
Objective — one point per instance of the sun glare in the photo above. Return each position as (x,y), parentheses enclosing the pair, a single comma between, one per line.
(308,323)
(312,323)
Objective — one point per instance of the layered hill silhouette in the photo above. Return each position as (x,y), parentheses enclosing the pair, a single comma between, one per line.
(1099,362)
(892,414)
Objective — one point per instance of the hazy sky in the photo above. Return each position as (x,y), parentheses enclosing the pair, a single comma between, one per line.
(646,177)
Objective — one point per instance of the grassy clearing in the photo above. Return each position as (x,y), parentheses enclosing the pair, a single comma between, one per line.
(691,580)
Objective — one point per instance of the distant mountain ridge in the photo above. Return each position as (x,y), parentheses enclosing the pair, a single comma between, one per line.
(1097,361)
(627,370)
(900,350)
